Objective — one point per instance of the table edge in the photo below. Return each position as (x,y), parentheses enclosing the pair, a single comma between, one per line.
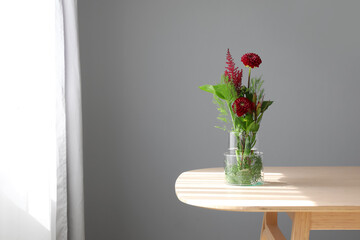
(273,208)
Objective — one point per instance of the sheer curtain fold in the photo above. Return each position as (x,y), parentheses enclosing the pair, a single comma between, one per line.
(75,193)
(41,171)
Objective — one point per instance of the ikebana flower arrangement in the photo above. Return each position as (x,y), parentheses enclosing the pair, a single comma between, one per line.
(241,108)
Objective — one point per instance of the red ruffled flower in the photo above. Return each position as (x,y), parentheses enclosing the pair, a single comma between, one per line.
(233,72)
(242,106)
(251,60)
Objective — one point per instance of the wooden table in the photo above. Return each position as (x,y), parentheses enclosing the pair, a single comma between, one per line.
(315,198)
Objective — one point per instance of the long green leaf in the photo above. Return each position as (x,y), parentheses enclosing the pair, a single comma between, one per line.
(265,105)
(247,146)
(208,88)
(219,90)
(253,127)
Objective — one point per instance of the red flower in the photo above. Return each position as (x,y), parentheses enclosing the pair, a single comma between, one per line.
(251,60)
(237,79)
(233,72)
(241,106)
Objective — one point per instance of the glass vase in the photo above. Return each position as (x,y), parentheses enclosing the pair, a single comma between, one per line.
(243,160)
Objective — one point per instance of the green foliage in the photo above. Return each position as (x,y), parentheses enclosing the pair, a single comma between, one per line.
(256,87)
(222,128)
(248,174)
(225,90)
(207,88)
(223,114)
(265,105)
(240,123)
(221,108)
(257,167)
(217,90)
(225,94)
(239,177)
(247,146)
(253,127)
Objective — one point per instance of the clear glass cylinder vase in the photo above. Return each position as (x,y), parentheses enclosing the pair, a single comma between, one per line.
(243,160)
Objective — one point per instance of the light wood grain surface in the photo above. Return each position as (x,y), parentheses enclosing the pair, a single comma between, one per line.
(286,189)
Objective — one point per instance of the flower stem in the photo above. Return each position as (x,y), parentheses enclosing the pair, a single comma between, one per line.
(232,115)
(249,77)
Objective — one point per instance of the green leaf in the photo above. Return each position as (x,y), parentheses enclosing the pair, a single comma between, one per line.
(222,128)
(249,121)
(258,111)
(253,127)
(248,118)
(221,91)
(265,105)
(222,108)
(249,96)
(207,88)
(249,126)
(240,123)
(222,119)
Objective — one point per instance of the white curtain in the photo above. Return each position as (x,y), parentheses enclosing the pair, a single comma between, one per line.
(41,179)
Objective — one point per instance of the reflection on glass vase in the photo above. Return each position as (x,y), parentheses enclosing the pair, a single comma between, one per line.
(243,161)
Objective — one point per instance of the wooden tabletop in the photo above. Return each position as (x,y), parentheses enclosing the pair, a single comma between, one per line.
(286,189)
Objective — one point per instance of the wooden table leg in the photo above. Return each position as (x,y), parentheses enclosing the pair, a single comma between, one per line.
(301,226)
(270,229)
(303,222)
(262,235)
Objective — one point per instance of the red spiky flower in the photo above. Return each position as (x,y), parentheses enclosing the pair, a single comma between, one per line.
(233,72)
(242,106)
(251,60)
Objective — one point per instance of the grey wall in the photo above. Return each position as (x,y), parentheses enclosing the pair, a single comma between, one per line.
(145,120)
